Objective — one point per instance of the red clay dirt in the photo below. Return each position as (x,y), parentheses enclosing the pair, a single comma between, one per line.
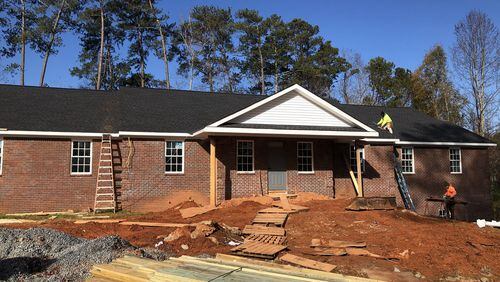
(436,248)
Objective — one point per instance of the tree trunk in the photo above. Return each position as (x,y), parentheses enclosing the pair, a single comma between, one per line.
(261,59)
(275,71)
(141,58)
(51,42)
(23,40)
(163,45)
(101,51)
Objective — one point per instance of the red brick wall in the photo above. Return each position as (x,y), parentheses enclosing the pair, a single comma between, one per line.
(36,177)
(432,172)
(146,186)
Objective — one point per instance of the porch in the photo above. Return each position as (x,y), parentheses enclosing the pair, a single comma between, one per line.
(252,166)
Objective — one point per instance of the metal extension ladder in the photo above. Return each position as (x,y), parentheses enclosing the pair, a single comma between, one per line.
(105,197)
(403,186)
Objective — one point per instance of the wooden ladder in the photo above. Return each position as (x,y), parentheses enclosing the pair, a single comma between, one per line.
(105,198)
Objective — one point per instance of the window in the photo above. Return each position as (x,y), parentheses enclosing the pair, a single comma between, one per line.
(407,160)
(174,157)
(455,160)
(1,155)
(305,157)
(81,157)
(352,154)
(244,156)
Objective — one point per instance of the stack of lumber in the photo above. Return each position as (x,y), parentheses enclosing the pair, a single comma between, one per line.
(222,268)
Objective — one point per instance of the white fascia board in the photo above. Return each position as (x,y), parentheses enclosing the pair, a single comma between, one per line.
(308,95)
(153,134)
(380,140)
(28,133)
(282,132)
(446,144)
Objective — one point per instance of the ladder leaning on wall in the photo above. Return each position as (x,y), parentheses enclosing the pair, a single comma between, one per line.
(105,197)
(402,185)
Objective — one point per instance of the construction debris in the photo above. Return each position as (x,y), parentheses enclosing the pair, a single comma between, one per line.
(258,249)
(99,221)
(177,233)
(263,230)
(361,252)
(223,268)
(269,239)
(277,219)
(309,263)
(161,224)
(327,252)
(12,220)
(372,203)
(483,223)
(337,244)
(203,230)
(194,211)
(292,206)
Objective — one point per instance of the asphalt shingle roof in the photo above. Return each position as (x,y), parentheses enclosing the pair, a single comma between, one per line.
(155,110)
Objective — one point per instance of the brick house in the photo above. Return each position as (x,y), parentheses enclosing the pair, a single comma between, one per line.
(169,146)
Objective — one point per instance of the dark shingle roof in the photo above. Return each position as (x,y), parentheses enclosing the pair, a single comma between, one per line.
(155,110)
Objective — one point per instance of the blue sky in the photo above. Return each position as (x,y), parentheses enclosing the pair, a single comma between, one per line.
(400,31)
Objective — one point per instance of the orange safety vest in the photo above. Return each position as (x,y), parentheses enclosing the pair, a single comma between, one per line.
(450,192)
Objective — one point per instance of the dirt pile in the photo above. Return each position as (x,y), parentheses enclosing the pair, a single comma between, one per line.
(49,255)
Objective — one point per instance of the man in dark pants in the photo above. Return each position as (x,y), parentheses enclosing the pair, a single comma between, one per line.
(449,201)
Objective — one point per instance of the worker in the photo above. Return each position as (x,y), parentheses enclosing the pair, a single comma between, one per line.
(385,122)
(449,201)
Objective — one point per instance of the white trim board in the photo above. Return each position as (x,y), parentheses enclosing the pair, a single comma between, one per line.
(446,144)
(306,94)
(281,132)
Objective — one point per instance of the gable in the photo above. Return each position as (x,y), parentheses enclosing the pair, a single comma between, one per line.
(291,109)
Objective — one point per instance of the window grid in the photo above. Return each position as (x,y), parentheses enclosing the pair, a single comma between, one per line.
(81,157)
(352,154)
(1,155)
(407,160)
(174,157)
(455,160)
(305,157)
(244,156)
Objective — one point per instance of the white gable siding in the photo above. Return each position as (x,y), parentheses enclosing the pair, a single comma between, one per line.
(291,109)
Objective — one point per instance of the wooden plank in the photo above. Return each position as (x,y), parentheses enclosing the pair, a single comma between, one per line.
(327,252)
(119,273)
(270,218)
(99,221)
(309,263)
(284,203)
(156,224)
(252,247)
(270,239)
(358,169)
(276,210)
(295,208)
(353,177)
(263,230)
(194,211)
(337,243)
(213,173)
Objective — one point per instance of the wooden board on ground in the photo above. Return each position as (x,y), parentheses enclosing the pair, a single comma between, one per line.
(277,219)
(99,221)
(258,249)
(292,206)
(276,210)
(284,203)
(15,220)
(327,252)
(269,239)
(337,243)
(372,203)
(309,263)
(194,211)
(263,230)
(156,224)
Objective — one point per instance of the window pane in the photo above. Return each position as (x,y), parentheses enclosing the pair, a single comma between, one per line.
(244,155)
(173,156)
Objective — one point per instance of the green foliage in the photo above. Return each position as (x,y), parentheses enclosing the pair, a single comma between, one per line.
(391,85)
(433,92)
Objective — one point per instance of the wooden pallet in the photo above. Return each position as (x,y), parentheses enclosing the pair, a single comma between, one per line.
(276,210)
(263,230)
(258,249)
(277,219)
(269,239)
(293,207)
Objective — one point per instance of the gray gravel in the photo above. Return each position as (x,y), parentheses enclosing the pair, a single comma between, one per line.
(40,254)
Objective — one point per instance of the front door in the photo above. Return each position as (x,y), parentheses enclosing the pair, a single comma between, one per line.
(276,167)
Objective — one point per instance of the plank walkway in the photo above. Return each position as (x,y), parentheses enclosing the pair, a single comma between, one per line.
(269,239)
(277,219)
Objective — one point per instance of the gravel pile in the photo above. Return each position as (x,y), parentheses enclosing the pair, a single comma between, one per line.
(48,255)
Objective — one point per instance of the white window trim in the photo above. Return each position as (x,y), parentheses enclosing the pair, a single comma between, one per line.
(312,158)
(183,159)
(253,156)
(363,163)
(2,146)
(91,157)
(412,159)
(459,161)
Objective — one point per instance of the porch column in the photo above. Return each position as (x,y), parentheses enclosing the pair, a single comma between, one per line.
(213,173)
(358,170)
